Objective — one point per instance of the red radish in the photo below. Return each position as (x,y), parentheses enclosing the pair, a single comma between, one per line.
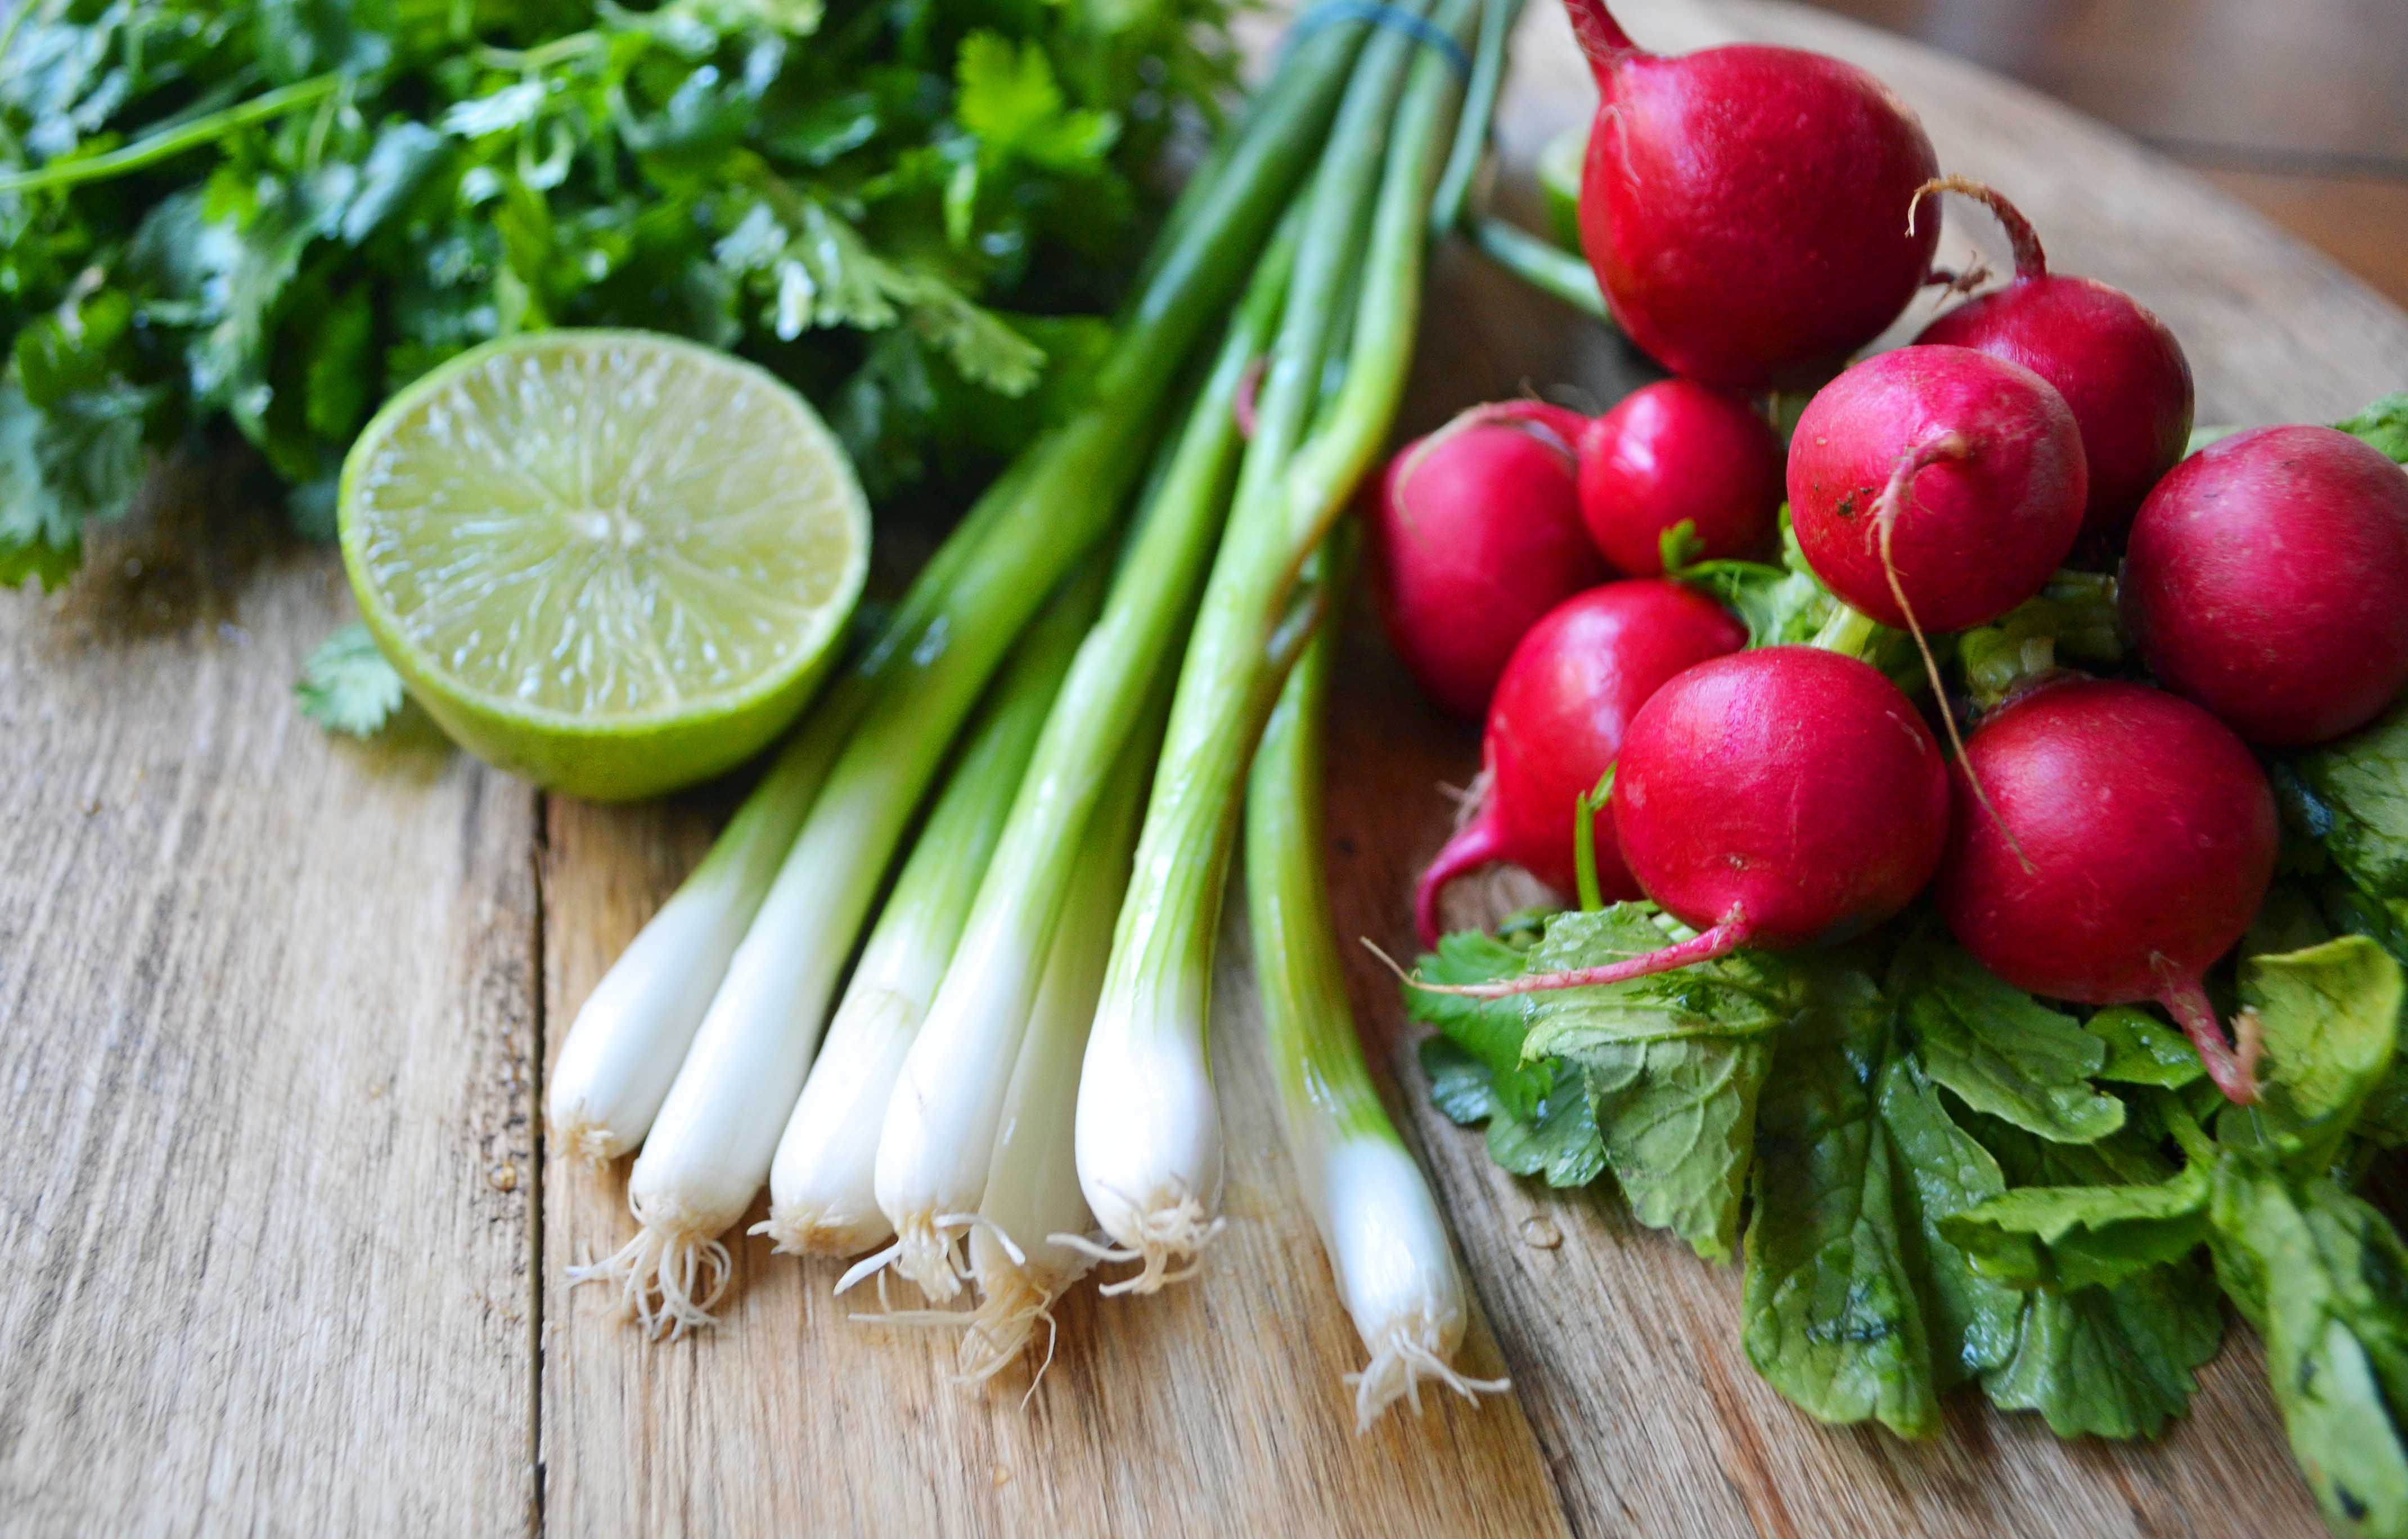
(2119,368)
(1677,452)
(1773,798)
(1476,536)
(1671,453)
(2147,836)
(1557,721)
(1936,488)
(2264,580)
(1745,208)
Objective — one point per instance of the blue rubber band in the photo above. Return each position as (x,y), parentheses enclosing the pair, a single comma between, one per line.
(1420,28)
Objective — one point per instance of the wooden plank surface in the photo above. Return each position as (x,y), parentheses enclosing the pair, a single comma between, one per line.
(269,1007)
(283,1259)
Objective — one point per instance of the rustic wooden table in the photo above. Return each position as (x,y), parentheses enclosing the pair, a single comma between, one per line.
(285,1245)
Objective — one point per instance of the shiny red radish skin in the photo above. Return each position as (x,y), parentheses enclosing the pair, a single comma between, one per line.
(1745,208)
(1477,534)
(1975,464)
(1776,798)
(2265,579)
(1557,721)
(2118,366)
(2148,837)
(1677,452)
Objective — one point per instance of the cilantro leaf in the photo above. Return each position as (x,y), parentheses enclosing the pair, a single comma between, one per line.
(2383,424)
(347,685)
(2325,1279)
(62,469)
(1999,1050)
(1010,99)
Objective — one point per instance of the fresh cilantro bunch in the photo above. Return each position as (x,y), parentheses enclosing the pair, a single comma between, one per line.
(1935,1180)
(270,214)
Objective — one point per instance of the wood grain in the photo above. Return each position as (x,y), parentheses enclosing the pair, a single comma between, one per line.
(270,1011)
(281,1247)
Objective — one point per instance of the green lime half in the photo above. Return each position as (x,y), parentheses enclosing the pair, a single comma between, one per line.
(1559,183)
(612,562)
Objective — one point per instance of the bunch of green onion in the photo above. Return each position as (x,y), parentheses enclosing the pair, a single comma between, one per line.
(1015,1083)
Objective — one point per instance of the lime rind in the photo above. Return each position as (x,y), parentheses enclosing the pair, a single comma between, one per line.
(614,562)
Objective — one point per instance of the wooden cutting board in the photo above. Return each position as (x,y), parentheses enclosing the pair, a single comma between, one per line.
(284,1246)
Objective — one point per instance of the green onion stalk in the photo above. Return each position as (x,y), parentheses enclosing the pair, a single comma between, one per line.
(1380,1226)
(941,1119)
(801,864)
(1148,1133)
(820,1197)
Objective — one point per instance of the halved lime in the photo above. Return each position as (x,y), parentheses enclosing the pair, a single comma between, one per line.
(1559,183)
(612,562)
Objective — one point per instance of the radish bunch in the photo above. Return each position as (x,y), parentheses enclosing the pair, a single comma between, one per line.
(2095,842)
(1490,522)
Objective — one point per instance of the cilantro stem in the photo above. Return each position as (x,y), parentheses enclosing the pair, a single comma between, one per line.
(158,147)
(1546,267)
(534,61)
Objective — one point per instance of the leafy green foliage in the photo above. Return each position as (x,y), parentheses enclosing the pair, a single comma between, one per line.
(1939,1170)
(2113,1361)
(2075,616)
(2325,1279)
(1538,1114)
(347,685)
(2143,1049)
(1731,997)
(1999,1050)
(1833,1317)
(2351,797)
(2064,1238)
(2331,1016)
(1782,605)
(895,207)
(2384,424)
(1554,1139)
(1678,1119)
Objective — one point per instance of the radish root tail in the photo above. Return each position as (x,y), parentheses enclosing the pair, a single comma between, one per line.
(2232,1066)
(2030,260)
(669,1276)
(1946,446)
(1706,945)
(1406,1356)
